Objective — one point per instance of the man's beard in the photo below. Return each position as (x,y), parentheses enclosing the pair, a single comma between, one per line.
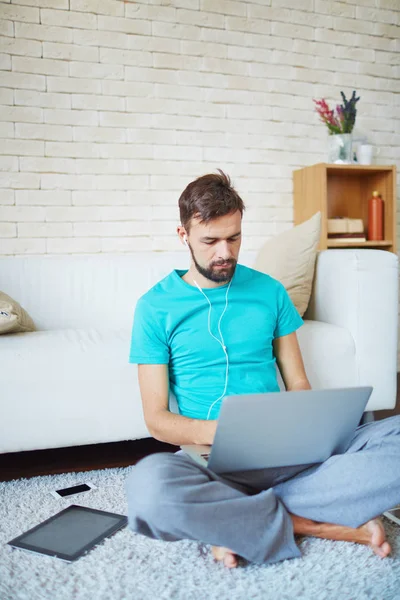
(216,275)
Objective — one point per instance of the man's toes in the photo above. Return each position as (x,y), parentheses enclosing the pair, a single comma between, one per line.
(218,552)
(383,550)
(376,532)
(224,554)
(230,560)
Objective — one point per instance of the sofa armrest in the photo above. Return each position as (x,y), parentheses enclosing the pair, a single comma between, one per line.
(358,289)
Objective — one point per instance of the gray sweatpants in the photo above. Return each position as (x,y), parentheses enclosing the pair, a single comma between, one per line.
(171,498)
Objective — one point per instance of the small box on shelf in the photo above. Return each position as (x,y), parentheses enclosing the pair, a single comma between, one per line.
(340,225)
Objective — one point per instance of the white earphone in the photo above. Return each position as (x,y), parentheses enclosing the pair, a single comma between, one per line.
(185,241)
(220,341)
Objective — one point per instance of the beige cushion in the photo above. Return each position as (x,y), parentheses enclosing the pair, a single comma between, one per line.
(290,258)
(13,318)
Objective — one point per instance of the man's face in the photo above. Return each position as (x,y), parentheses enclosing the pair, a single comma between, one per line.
(215,246)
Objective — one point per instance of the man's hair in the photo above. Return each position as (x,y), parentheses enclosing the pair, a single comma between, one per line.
(207,198)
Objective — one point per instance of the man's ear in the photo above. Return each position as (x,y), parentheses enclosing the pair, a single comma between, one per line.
(181,231)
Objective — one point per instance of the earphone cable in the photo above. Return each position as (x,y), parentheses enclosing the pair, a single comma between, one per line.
(222,343)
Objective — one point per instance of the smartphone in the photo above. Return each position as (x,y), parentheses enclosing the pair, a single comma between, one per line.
(393,515)
(75,489)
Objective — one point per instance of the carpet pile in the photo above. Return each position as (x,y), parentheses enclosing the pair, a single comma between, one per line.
(128,566)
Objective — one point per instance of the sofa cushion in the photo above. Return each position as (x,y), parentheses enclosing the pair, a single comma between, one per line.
(13,318)
(71,387)
(290,258)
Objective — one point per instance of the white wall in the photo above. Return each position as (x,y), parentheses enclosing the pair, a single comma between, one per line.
(110,108)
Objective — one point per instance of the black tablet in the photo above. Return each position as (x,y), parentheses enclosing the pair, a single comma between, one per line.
(70,533)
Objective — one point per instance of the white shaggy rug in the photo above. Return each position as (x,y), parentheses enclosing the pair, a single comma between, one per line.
(128,566)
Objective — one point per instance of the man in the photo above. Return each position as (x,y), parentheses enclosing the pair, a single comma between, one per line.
(215,330)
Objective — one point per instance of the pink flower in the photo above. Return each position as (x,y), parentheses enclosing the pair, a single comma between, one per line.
(327,116)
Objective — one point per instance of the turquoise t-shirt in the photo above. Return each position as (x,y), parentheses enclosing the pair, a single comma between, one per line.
(171,327)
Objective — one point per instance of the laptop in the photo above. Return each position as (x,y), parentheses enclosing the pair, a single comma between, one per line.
(281,429)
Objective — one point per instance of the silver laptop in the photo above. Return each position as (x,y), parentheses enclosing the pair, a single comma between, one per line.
(279,429)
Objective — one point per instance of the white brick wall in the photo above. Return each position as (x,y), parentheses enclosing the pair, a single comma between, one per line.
(109,108)
(119,104)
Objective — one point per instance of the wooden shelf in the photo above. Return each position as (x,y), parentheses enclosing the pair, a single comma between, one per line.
(344,191)
(355,168)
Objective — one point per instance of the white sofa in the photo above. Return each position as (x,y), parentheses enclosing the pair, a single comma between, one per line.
(70,383)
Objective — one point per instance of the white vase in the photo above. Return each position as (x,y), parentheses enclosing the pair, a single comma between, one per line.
(340,148)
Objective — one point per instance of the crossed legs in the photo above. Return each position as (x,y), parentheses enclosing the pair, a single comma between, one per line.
(172,498)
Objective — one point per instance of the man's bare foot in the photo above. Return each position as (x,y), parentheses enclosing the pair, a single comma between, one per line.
(371,533)
(227,556)
(377,536)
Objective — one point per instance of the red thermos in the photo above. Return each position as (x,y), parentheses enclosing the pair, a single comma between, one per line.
(375,217)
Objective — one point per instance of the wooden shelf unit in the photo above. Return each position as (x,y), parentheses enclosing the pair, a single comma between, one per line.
(344,191)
